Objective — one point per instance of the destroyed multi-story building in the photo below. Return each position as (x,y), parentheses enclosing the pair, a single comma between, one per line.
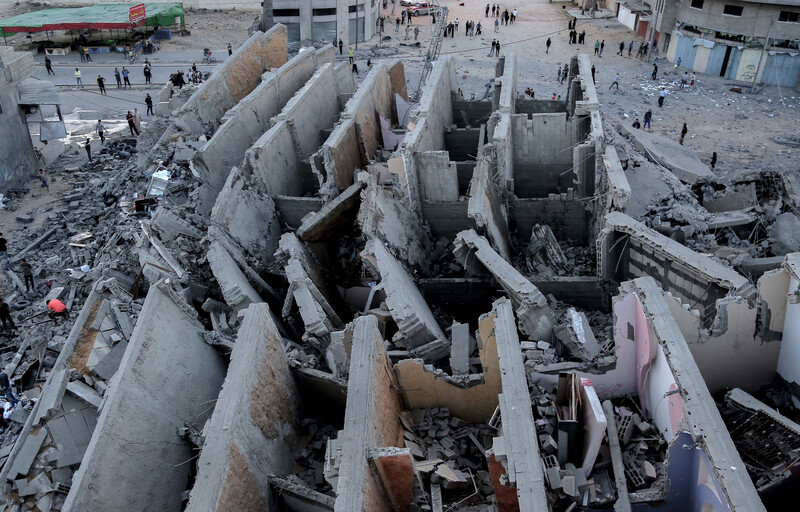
(330,297)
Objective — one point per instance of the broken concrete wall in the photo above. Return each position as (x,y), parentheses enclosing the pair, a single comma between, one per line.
(614,184)
(730,354)
(435,109)
(136,438)
(251,116)
(245,210)
(487,209)
(507,83)
(503,149)
(236,287)
(384,216)
(276,160)
(253,431)
(438,176)
(371,421)
(342,153)
(477,256)
(232,80)
(518,443)
(636,250)
(415,321)
(789,359)
(373,98)
(690,406)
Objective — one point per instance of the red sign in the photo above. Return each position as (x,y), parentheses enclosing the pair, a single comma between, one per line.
(137,14)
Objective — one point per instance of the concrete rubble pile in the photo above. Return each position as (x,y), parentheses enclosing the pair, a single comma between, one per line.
(298,302)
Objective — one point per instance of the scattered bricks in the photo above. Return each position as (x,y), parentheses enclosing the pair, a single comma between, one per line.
(634,478)
(548,444)
(625,430)
(552,471)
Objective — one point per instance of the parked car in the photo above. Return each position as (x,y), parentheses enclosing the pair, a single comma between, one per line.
(420,9)
(409,3)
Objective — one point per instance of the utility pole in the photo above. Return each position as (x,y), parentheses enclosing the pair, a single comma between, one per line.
(653,31)
(763,50)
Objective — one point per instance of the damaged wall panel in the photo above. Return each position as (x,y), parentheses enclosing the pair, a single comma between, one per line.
(487,209)
(371,421)
(134,459)
(252,432)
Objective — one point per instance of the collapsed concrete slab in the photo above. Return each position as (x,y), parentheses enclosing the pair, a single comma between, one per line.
(531,306)
(683,162)
(332,216)
(253,430)
(371,421)
(167,356)
(514,463)
(488,211)
(415,321)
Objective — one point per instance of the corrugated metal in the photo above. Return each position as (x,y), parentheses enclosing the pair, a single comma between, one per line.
(37,92)
(686,51)
(781,69)
(715,59)
(733,63)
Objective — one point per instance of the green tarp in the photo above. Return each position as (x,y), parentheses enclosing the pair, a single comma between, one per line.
(94,17)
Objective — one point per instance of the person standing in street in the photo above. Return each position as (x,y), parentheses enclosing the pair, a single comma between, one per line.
(630,48)
(137,120)
(654,74)
(86,51)
(230,50)
(558,77)
(416,32)
(684,80)
(43,177)
(27,273)
(684,131)
(100,129)
(547,44)
(661,96)
(118,78)
(88,148)
(126,80)
(593,71)
(148,73)
(341,46)
(355,67)
(648,116)
(4,251)
(131,123)
(149,102)
(49,66)
(486,12)
(621,48)
(83,55)
(602,46)
(615,82)
(713,160)
(78,77)
(350,54)
(596,47)
(101,83)
(494,46)
(497,48)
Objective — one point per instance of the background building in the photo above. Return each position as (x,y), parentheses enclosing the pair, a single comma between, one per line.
(348,20)
(17,159)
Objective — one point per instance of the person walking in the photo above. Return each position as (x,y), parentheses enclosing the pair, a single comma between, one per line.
(131,123)
(486,12)
(101,83)
(648,116)
(403,18)
(455,24)
(397,25)
(496,25)
(49,66)
(661,96)
(615,82)
(416,32)
(593,70)
(4,251)
(125,79)
(621,48)
(514,16)
(564,73)
(100,129)
(558,77)
(350,54)
(547,44)
(713,160)
(355,67)
(641,50)
(654,74)
(86,51)
(88,148)
(43,177)
(596,47)
(27,274)
(341,46)
(5,382)
(602,46)
(684,131)
(149,102)
(230,50)
(494,9)
(78,78)
(118,78)
(630,48)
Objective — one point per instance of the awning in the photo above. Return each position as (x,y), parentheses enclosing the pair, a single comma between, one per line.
(37,92)
(93,17)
